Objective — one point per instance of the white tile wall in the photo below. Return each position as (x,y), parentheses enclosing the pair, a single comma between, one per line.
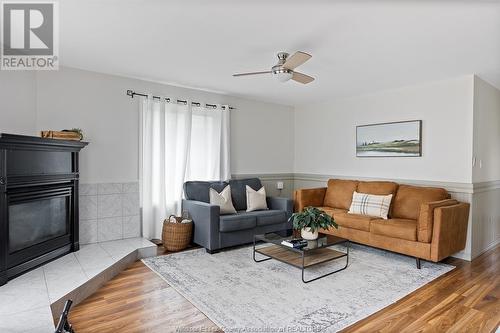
(88,207)
(110,228)
(109,211)
(88,189)
(130,205)
(109,188)
(88,231)
(131,187)
(131,226)
(109,205)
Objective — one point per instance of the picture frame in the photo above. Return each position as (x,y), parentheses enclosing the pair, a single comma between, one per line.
(391,139)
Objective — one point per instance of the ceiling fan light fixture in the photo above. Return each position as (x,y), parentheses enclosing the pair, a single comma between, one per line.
(284,70)
(283,75)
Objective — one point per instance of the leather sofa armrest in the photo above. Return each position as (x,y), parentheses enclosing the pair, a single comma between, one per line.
(309,197)
(206,223)
(278,203)
(426,218)
(449,232)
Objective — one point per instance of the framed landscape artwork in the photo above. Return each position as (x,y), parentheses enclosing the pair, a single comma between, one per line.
(403,138)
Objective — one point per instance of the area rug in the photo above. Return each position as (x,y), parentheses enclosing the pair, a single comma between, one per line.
(238,294)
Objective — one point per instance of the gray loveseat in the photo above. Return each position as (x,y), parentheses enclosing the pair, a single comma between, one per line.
(214,231)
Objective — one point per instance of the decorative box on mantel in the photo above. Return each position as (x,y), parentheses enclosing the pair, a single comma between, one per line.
(38,201)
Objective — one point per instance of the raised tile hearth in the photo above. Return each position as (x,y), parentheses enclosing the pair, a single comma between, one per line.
(30,302)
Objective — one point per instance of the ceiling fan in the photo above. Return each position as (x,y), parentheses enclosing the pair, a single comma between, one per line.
(284,69)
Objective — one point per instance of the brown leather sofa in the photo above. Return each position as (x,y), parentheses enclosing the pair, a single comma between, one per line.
(423,222)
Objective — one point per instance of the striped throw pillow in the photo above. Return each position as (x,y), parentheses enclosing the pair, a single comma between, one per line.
(370,204)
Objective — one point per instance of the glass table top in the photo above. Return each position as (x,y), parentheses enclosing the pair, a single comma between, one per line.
(324,240)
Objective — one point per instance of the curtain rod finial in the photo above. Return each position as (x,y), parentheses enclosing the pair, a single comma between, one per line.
(130,93)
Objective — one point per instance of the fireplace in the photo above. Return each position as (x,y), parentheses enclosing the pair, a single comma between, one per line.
(38,201)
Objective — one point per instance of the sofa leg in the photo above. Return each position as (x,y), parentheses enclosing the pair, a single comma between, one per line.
(212,251)
(418,263)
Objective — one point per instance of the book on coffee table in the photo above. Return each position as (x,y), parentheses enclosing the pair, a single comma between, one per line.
(296,243)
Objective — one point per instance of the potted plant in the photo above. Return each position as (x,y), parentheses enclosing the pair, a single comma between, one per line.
(75,130)
(310,220)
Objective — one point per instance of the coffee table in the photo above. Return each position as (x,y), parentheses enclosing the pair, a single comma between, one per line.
(316,252)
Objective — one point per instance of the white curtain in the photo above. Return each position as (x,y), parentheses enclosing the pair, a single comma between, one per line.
(178,143)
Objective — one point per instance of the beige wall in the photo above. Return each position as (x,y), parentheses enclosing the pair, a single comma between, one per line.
(261,133)
(325,133)
(17,102)
(486,148)
(486,169)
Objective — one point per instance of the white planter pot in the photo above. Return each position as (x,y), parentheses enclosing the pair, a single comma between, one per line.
(307,234)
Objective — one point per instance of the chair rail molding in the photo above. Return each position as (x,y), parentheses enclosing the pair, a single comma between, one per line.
(449,186)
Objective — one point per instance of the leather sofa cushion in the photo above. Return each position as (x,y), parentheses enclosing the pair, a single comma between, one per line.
(332,211)
(239,191)
(235,222)
(199,190)
(339,193)
(267,217)
(395,228)
(354,221)
(377,187)
(308,197)
(409,198)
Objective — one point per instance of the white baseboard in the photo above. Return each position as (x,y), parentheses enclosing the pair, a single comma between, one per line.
(487,248)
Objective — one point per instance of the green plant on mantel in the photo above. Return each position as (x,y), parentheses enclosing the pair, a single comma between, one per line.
(76,130)
(313,218)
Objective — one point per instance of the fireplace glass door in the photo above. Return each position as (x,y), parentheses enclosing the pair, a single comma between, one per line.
(38,219)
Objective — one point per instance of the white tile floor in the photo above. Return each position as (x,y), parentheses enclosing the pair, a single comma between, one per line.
(25,301)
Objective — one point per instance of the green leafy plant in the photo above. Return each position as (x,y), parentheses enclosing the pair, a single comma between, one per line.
(313,218)
(75,130)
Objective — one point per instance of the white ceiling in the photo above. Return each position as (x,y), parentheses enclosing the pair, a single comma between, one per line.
(358,47)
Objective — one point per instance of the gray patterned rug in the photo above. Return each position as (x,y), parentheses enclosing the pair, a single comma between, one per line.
(238,294)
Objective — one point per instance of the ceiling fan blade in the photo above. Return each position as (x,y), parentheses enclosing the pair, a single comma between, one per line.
(297,59)
(252,73)
(302,78)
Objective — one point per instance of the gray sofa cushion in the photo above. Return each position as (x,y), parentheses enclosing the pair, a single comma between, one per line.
(198,190)
(267,217)
(239,191)
(235,222)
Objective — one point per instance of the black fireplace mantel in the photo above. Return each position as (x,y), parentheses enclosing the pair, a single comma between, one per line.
(39,213)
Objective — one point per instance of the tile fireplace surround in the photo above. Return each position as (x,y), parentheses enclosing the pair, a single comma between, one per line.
(109,211)
(110,240)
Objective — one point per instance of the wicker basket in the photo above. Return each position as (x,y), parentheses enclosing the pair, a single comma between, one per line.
(176,236)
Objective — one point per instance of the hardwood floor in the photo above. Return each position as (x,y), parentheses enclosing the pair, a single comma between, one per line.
(137,300)
(466,299)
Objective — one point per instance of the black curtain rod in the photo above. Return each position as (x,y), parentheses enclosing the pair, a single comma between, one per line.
(132,93)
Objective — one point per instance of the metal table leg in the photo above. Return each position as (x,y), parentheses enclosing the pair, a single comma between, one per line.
(330,273)
(261,260)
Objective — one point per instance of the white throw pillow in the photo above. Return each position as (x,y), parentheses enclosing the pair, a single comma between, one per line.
(256,200)
(370,204)
(223,199)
